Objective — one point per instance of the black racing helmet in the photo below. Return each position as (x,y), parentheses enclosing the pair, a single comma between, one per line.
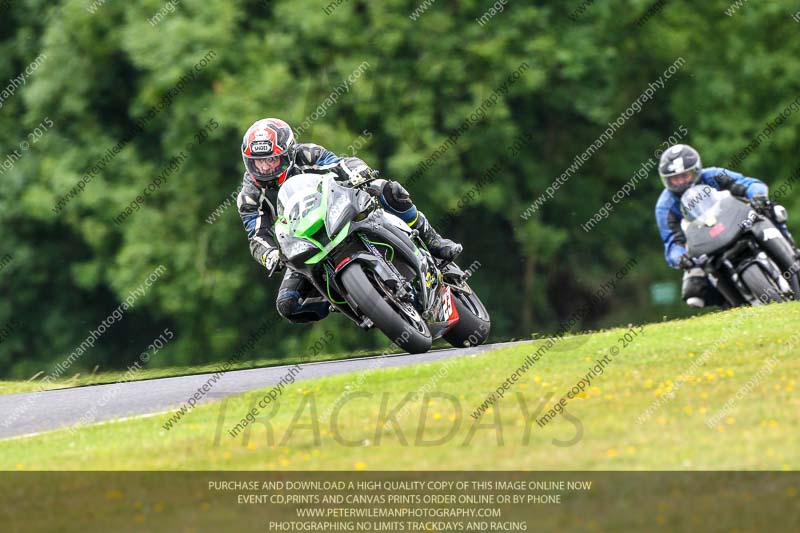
(268,151)
(680,168)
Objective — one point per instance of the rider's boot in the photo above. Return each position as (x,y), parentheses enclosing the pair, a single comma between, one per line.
(439,247)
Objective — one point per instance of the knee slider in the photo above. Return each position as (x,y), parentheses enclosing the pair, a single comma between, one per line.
(287,303)
(396,197)
(694,284)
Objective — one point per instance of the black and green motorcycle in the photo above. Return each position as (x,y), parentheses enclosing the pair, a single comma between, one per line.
(373,268)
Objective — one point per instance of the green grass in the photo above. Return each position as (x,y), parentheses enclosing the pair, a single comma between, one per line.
(759,432)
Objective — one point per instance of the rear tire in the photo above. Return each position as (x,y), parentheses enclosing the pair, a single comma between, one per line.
(474,323)
(361,293)
(761,285)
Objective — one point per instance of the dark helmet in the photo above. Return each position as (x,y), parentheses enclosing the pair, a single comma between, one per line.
(680,168)
(268,150)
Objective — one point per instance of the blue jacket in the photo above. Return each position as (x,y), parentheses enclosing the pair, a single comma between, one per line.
(668,207)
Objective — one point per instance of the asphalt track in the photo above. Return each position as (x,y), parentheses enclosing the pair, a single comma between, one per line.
(37,412)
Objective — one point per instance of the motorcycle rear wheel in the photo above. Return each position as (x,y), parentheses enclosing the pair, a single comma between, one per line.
(474,323)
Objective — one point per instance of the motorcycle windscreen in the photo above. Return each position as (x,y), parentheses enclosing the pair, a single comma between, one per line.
(298,199)
(701,201)
(716,231)
(299,216)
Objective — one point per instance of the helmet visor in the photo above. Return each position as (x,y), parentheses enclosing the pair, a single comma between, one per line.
(268,168)
(682,181)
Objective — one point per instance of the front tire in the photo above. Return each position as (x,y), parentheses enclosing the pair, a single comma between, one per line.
(761,285)
(409,334)
(474,323)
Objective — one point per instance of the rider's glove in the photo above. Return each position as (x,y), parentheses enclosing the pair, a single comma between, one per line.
(362,174)
(761,204)
(271,259)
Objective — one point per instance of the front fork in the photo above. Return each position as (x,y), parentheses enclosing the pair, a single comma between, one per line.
(782,250)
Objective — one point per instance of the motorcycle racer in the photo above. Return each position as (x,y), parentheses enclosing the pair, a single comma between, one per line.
(680,168)
(271,155)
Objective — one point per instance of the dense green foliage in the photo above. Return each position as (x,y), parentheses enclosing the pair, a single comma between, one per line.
(106,64)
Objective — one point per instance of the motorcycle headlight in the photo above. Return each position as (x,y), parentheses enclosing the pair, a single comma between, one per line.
(296,247)
(340,212)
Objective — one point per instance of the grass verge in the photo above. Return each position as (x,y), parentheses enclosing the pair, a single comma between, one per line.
(608,427)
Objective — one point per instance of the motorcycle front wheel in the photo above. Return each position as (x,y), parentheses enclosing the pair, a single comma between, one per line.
(762,287)
(399,321)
